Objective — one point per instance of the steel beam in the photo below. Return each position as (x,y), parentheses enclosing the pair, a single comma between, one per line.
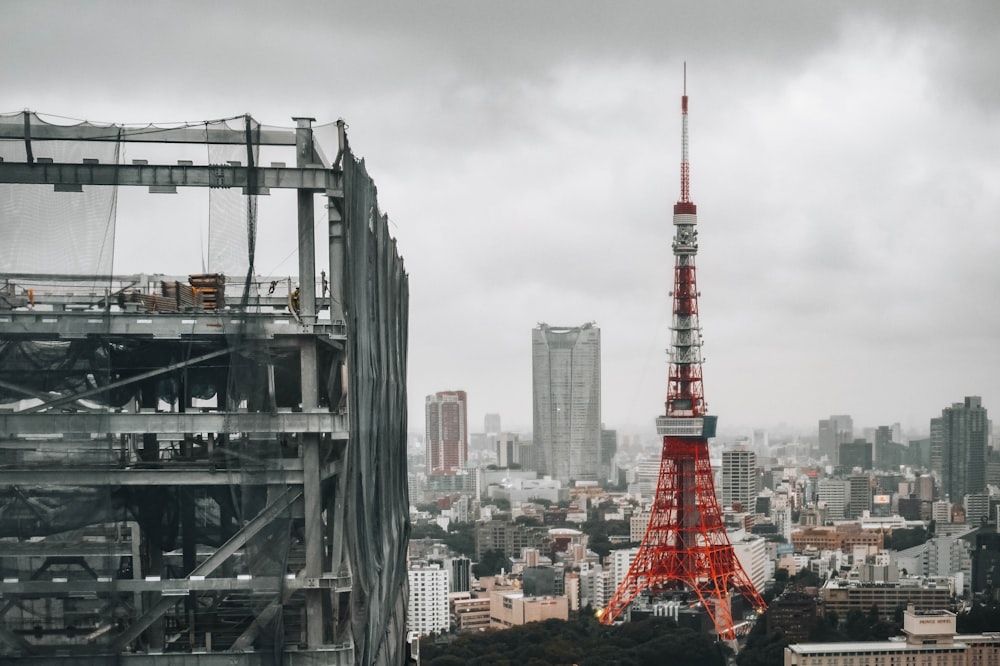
(328,655)
(312,178)
(36,325)
(168,587)
(43,131)
(309,383)
(176,424)
(148,477)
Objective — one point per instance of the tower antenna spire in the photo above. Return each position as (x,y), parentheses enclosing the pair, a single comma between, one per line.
(685,164)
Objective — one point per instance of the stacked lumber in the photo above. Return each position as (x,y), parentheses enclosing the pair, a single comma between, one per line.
(148,302)
(188,298)
(211,289)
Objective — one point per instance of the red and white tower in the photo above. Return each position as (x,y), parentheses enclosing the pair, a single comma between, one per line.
(685,548)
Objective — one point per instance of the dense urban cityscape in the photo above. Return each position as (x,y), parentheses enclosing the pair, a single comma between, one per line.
(852,520)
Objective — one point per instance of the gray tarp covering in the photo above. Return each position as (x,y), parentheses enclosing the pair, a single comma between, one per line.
(378,530)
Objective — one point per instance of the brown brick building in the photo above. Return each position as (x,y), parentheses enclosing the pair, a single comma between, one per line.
(840,537)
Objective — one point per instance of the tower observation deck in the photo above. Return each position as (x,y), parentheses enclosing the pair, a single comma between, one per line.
(210,467)
(686,551)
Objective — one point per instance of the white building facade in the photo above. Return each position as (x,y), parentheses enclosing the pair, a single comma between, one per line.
(427,610)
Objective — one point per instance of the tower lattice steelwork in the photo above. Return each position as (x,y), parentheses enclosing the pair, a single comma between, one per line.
(685,547)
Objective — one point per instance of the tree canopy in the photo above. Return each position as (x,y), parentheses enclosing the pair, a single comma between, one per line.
(583,641)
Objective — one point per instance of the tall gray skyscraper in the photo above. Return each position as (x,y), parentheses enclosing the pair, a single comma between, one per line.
(566,390)
(833,432)
(739,477)
(958,448)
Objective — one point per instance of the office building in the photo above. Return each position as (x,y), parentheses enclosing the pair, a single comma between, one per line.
(491,424)
(739,478)
(508,449)
(447,435)
(834,493)
(961,438)
(566,390)
(986,562)
(842,596)
(832,433)
(510,538)
(860,495)
(856,454)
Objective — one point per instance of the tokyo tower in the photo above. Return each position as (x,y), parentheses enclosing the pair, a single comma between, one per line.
(685,547)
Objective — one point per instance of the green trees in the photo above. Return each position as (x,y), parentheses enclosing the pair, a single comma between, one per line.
(491,563)
(460,537)
(901,539)
(584,642)
(980,618)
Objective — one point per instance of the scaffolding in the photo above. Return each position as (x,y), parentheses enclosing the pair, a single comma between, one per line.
(206,468)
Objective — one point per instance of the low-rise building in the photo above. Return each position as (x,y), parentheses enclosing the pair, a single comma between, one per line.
(511,609)
(842,537)
(924,593)
(929,640)
(470,613)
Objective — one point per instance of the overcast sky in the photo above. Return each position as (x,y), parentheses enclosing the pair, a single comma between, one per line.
(845,162)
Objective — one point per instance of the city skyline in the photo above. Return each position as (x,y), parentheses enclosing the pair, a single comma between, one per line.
(844,161)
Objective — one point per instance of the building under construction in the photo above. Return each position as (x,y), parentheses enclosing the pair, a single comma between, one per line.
(204,468)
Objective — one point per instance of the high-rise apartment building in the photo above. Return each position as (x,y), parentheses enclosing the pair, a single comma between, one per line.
(427,607)
(566,389)
(491,424)
(958,445)
(447,435)
(739,477)
(832,432)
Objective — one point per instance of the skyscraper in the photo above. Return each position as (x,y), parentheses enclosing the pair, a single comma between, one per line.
(739,477)
(959,442)
(491,423)
(447,435)
(832,433)
(566,388)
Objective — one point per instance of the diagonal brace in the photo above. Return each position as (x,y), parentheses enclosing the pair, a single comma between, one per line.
(124,382)
(238,540)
